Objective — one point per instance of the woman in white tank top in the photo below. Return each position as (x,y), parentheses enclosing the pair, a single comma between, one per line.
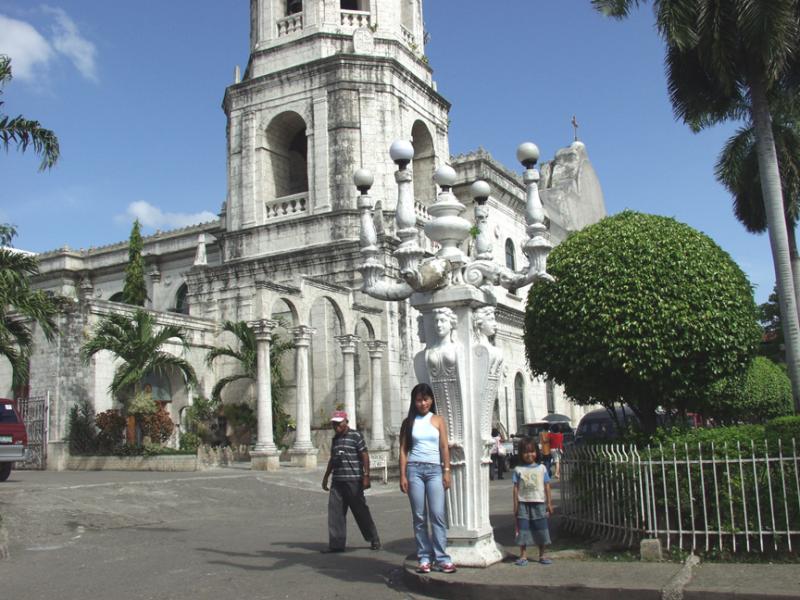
(424,476)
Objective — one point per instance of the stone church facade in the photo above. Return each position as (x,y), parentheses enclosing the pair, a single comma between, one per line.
(329,85)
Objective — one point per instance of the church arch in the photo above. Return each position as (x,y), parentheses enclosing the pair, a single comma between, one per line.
(182,300)
(287,147)
(116,297)
(293,7)
(284,311)
(423,164)
(365,330)
(326,363)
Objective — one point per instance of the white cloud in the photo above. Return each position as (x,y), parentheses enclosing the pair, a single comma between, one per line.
(32,53)
(154,217)
(68,40)
(26,47)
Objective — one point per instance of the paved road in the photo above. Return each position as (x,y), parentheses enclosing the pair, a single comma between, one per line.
(228,533)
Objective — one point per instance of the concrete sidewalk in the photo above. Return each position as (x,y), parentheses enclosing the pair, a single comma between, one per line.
(570,578)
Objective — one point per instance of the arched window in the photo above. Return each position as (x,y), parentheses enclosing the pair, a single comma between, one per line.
(116,297)
(407,14)
(519,400)
(511,263)
(423,164)
(288,154)
(181,302)
(550,389)
(293,6)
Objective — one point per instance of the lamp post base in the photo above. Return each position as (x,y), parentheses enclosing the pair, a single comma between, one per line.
(480,551)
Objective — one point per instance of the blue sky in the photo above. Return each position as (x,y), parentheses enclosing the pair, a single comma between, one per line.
(133,91)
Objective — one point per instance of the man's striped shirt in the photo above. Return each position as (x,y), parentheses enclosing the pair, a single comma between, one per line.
(346,452)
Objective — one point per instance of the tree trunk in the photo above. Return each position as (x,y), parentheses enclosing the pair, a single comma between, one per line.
(795,258)
(778,235)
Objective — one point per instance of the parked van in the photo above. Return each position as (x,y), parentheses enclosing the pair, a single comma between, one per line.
(599,426)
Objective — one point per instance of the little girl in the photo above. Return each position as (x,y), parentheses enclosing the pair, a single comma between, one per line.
(532,503)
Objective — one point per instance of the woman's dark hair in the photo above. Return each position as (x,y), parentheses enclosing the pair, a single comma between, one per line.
(421,389)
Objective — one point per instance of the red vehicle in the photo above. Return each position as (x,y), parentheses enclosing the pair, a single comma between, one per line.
(13,437)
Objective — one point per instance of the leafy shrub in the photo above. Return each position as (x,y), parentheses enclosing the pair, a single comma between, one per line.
(112,430)
(82,431)
(645,310)
(763,392)
(201,419)
(784,428)
(158,426)
(190,442)
(242,420)
(142,404)
(743,435)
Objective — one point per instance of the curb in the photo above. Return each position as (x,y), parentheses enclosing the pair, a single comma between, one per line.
(450,587)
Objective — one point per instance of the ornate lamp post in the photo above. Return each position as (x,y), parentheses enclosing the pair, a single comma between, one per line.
(455,295)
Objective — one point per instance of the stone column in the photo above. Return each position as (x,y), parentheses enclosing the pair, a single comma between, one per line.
(348,345)
(376,349)
(303,452)
(265,456)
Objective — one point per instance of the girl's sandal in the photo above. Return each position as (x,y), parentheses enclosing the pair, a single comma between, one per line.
(545,561)
(521,562)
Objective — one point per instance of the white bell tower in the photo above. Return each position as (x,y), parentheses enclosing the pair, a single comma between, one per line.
(328,86)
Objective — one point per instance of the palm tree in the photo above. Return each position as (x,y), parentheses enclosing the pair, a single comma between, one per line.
(25,132)
(19,305)
(737,170)
(246,355)
(136,342)
(724,59)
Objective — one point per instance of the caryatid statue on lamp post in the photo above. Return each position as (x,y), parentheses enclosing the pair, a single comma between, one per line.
(455,296)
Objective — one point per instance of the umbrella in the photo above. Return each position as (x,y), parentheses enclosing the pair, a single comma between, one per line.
(556,418)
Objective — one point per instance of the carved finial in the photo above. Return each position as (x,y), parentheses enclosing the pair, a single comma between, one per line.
(575,127)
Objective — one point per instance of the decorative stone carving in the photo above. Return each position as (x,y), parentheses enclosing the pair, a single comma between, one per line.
(490,364)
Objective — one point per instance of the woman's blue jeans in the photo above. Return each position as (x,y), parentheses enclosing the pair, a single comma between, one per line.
(425,487)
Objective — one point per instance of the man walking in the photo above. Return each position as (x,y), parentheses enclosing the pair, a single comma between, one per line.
(349,464)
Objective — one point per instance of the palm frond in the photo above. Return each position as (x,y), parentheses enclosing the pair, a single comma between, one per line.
(216,391)
(618,9)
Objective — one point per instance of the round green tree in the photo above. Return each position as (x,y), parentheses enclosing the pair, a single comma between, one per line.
(764,392)
(645,310)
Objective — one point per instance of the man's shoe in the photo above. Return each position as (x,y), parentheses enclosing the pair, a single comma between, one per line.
(331,550)
(376,545)
(446,567)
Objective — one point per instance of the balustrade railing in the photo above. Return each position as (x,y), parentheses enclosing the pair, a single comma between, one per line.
(290,24)
(287,205)
(408,37)
(355,18)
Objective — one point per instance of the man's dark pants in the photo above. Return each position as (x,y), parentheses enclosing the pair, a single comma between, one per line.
(344,495)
